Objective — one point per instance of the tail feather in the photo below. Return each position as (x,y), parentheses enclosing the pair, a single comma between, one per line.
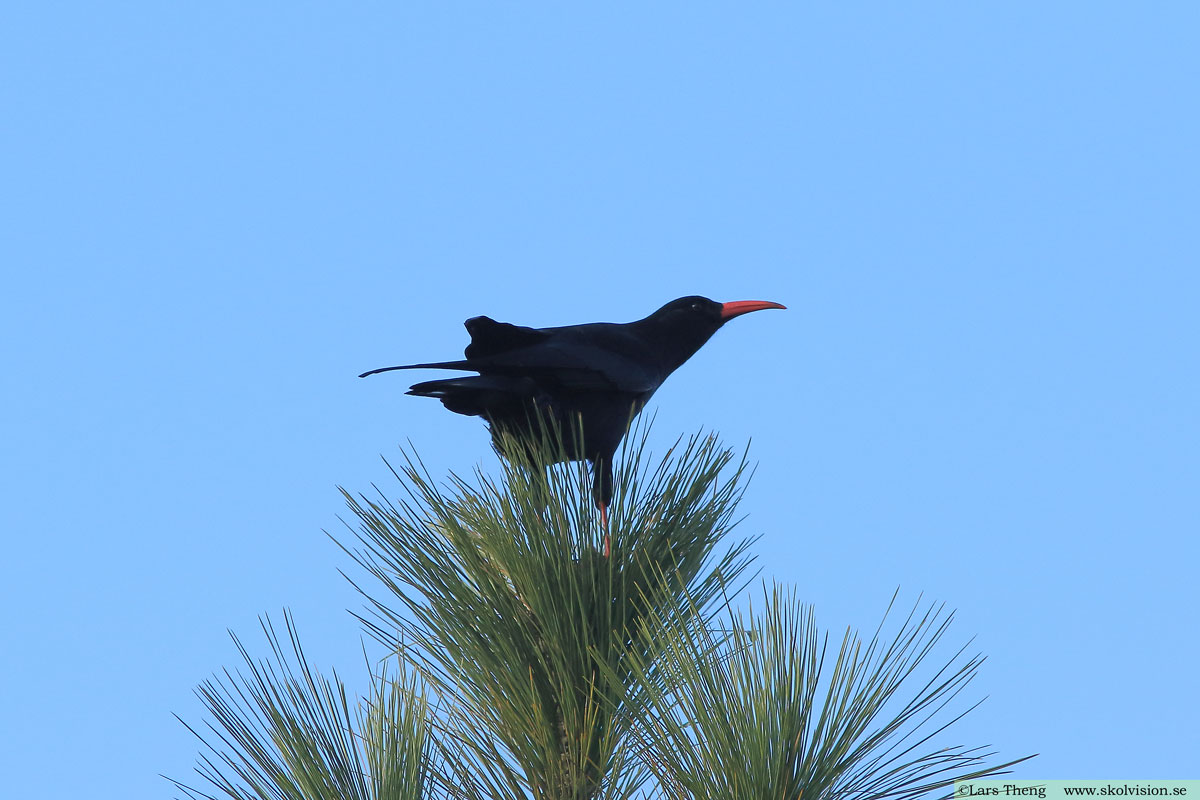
(433,365)
(480,395)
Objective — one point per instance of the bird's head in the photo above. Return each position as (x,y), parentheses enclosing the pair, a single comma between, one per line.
(682,326)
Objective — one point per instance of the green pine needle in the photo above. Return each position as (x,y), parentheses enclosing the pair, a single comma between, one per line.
(498,592)
(284,732)
(762,708)
(526,665)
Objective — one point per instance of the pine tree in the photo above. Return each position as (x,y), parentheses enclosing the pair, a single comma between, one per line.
(524,664)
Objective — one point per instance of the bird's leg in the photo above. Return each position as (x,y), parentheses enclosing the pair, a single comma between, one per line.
(602,482)
(604,526)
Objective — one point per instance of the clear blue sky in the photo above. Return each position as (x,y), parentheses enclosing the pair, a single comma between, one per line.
(983,219)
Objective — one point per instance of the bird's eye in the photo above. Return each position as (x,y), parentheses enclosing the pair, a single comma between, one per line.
(695,306)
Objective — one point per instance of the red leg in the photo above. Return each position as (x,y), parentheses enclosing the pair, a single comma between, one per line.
(604,526)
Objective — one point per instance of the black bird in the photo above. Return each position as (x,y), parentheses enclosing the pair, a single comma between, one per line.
(594,377)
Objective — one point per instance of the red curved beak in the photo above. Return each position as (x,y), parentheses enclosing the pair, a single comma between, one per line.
(739,307)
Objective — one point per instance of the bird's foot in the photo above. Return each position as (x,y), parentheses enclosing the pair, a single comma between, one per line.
(604,527)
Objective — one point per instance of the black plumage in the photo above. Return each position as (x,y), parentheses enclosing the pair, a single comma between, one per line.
(594,377)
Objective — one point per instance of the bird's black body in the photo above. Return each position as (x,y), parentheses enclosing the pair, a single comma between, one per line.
(594,377)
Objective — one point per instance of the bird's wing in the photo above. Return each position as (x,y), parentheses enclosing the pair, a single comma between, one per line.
(593,357)
(573,366)
(596,357)
(490,338)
